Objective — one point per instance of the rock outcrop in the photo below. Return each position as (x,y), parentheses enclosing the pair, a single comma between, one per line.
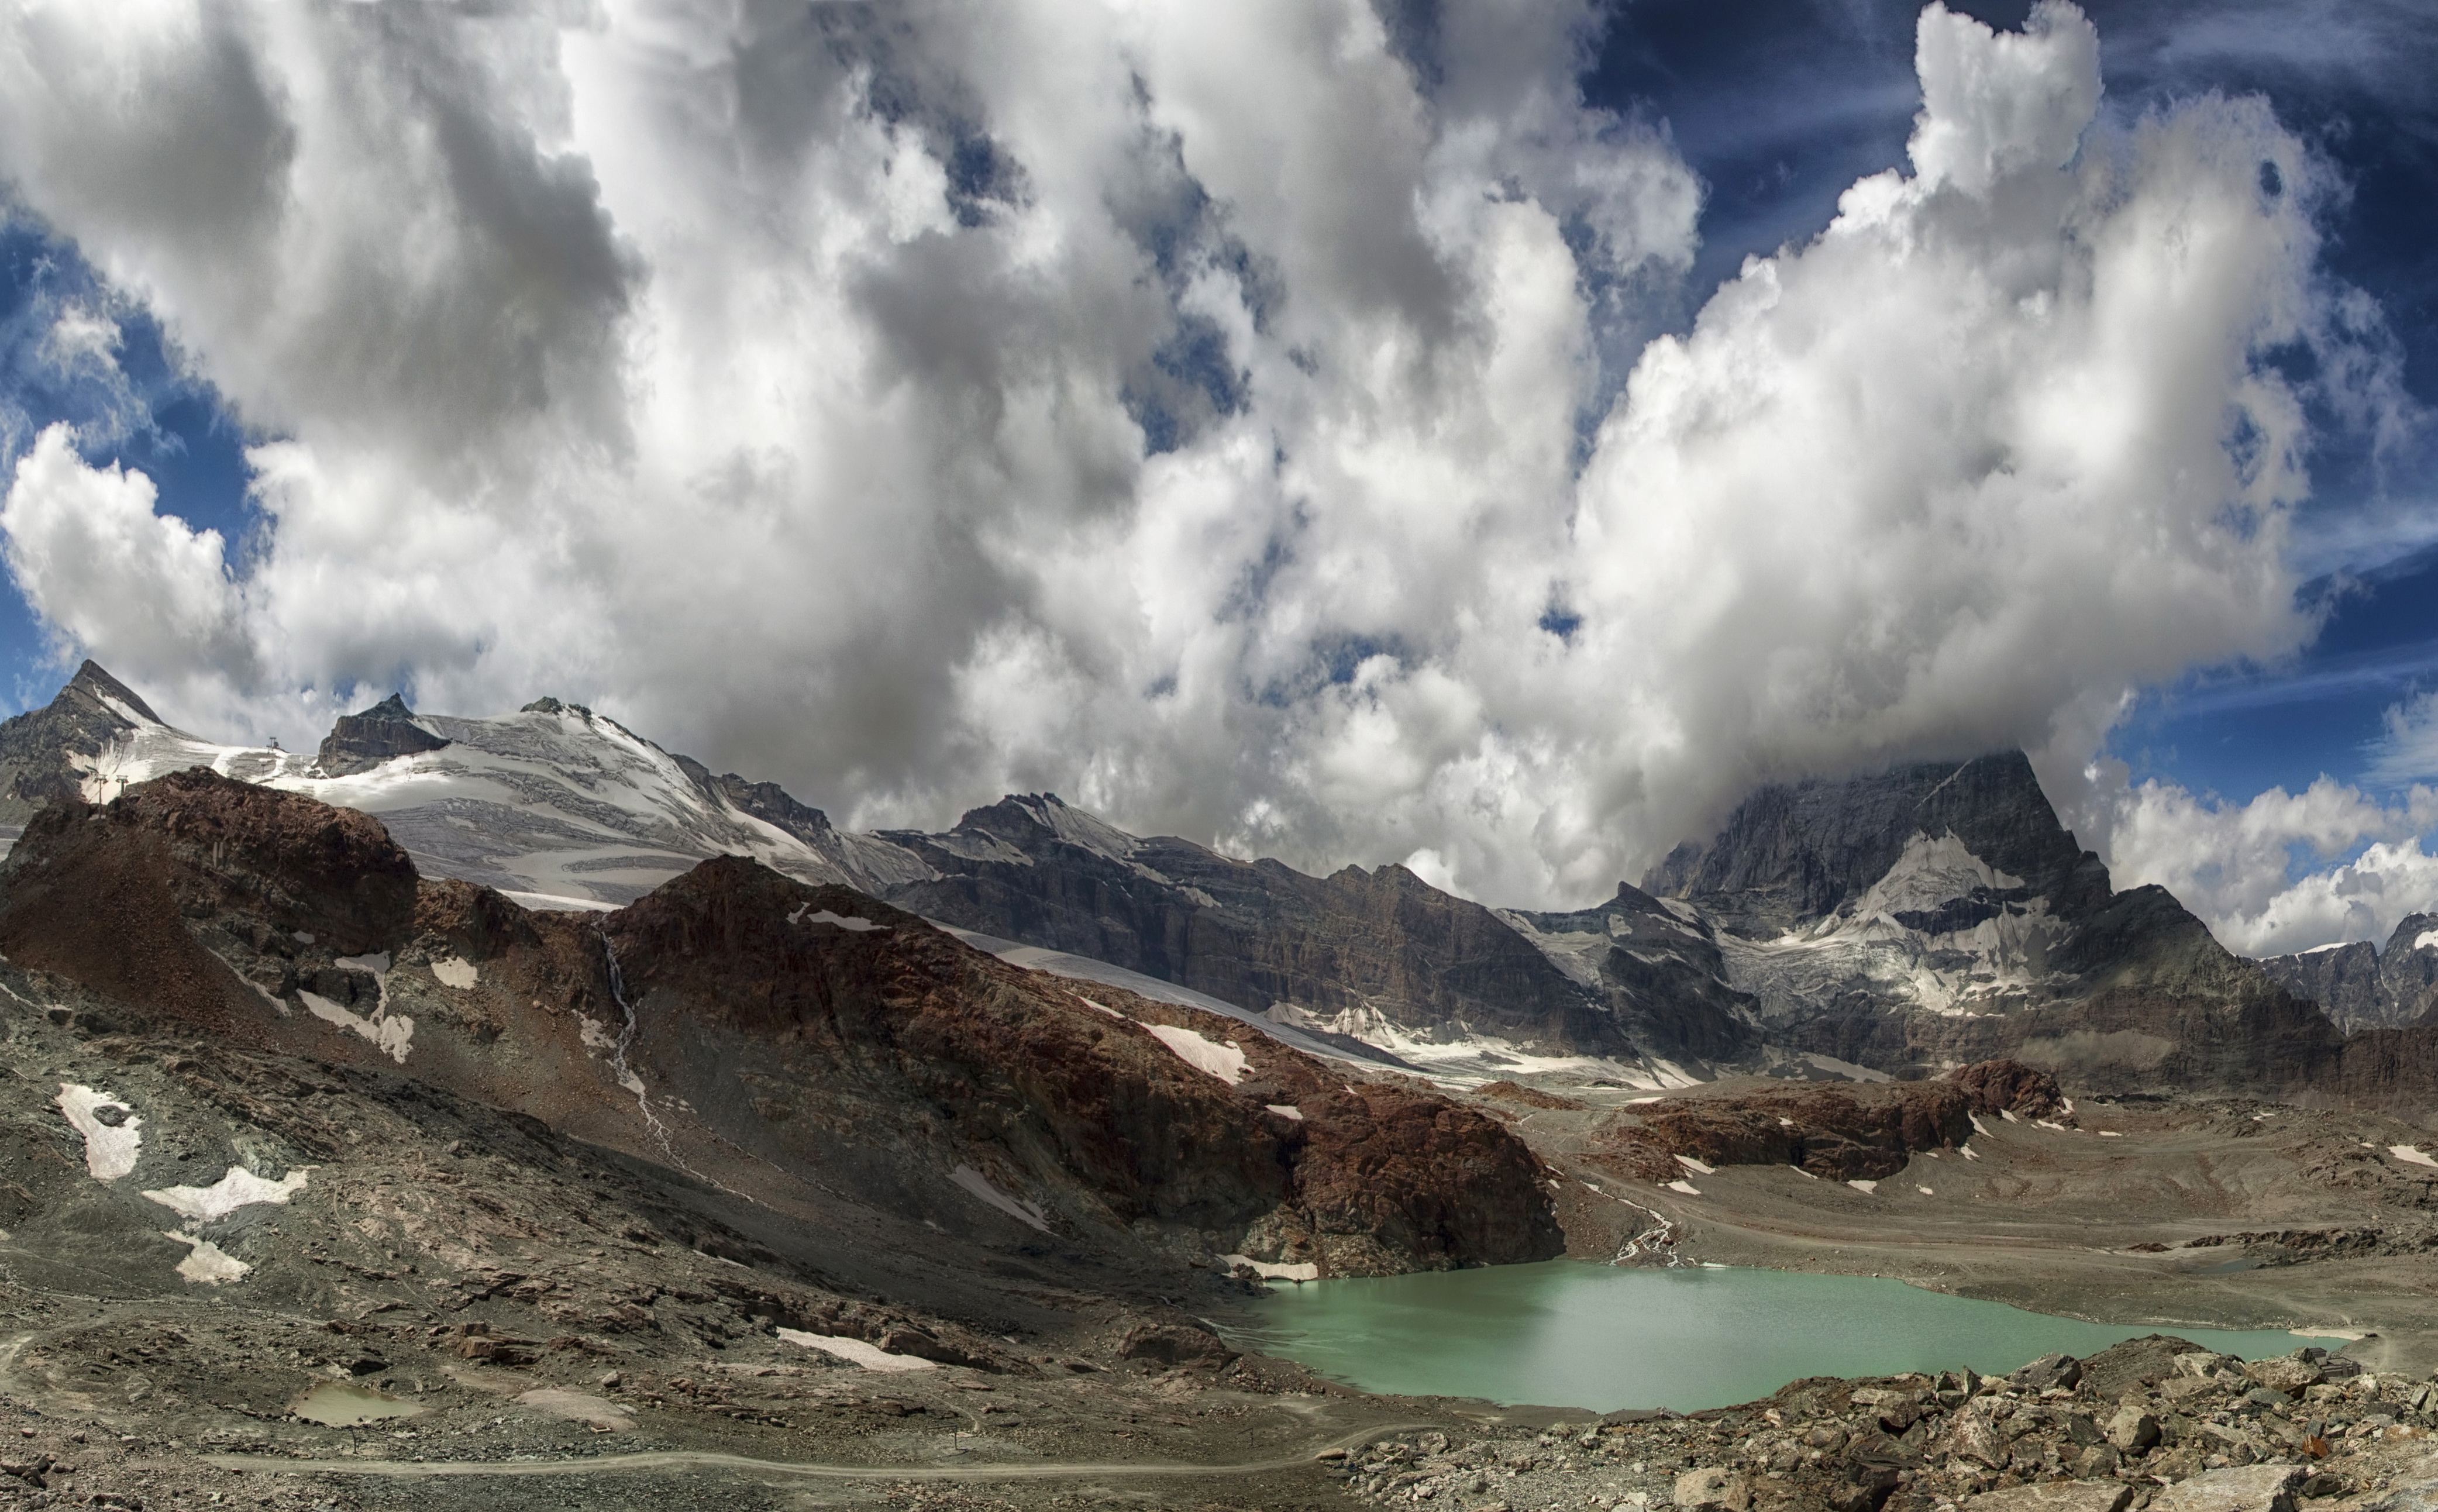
(1841,1133)
(360,742)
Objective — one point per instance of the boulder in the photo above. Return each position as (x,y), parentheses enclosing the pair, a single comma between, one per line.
(2245,1489)
(1710,1487)
(2048,1370)
(2289,1374)
(2132,1430)
(2057,1496)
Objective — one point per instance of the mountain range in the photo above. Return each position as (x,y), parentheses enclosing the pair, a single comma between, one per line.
(1895,925)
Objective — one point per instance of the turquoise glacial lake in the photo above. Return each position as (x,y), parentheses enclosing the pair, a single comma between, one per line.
(1570,1333)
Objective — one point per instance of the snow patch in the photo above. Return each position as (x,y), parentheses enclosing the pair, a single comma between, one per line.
(2109,1134)
(2412,1153)
(456,973)
(376,962)
(1864,1186)
(109,1147)
(1696,1167)
(240,1189)
(1685,1187)
(2425,939)
(1967,1151)
(1925,1191)
(2319,950)
(391,1033)
(595,1034)
(978,1184)
(1103,1006)
(1978,1127)
(1271,1271)
(854,1351)
(1224,1062)
(846,922)
(206,1263)
(1286,1110)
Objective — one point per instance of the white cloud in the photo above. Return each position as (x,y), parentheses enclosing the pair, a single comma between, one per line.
(2248,868)
(137,587)
(1178,406)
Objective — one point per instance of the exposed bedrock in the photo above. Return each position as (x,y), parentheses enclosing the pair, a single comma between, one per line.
(360,742)
(736,1020)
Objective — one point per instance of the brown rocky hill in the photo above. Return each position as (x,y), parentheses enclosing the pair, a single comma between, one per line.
(807,1049)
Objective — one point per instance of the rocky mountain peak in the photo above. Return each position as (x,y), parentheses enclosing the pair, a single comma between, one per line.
(360,742)
(1793,854)
(94,683)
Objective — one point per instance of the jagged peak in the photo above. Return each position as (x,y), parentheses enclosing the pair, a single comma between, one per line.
(393,706)
(551,706)
(95,681)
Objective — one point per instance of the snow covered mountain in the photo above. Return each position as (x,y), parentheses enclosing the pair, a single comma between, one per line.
(554,805)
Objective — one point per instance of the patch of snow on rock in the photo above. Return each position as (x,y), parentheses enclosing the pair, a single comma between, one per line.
(854,1351)
(240,1189)
(1271,1270)
(845,922)
(1864,1186)
(978,1184)
(1224,1062)
(1696,1167)
(454,972)
(1685,1187)
(2425,939)
(2412,1153)
(206,1263)
(110,1144)
(1286,1110)
(391,1033)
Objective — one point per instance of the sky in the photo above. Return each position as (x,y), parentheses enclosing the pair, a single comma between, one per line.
(1482,434)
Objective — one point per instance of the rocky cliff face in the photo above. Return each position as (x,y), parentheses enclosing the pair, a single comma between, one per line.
(1939,914)
(1381,955)
(359,743)
(799,1046)
(2364,987)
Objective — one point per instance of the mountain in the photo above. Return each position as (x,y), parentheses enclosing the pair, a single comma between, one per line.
(1937,914)
(808,1051)
(2363,986)
(554,804)
(1377,957)
(1898,924)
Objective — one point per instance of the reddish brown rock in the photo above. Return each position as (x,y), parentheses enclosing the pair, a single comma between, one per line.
(2010,1086)
(1844,1134)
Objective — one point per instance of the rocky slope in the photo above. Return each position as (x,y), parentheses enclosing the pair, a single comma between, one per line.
(1381,957)
(800,1045)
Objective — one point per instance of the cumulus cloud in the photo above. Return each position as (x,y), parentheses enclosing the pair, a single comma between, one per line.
(1233,417)
(107,572)
(2260,873)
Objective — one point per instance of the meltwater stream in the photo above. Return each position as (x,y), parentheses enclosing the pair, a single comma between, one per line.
(1568,1333)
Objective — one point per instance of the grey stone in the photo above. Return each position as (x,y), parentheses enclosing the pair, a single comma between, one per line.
(2290,1374)
(2132,1428)
(2243,1488)
(2059,1496)
(1710,1487)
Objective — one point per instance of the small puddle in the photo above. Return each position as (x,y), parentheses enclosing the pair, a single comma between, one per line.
(335,1405)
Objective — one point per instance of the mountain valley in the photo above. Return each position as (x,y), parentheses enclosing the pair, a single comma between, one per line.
(483,1088)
